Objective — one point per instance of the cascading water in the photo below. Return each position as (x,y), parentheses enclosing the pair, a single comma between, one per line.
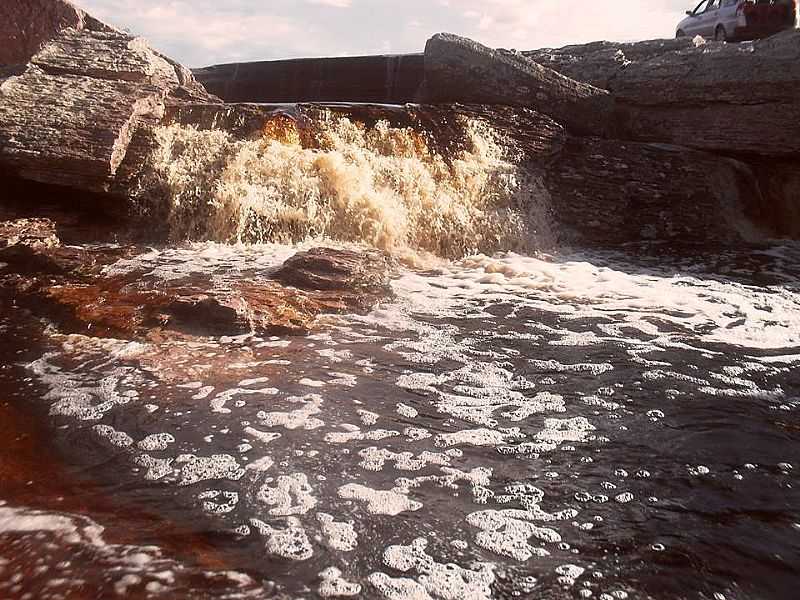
(512,424)
(381,186)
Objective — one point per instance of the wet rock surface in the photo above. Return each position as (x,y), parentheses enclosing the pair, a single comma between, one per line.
(78,288)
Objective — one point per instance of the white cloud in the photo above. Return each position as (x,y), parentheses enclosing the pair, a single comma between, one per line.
(201,32)
(333,3)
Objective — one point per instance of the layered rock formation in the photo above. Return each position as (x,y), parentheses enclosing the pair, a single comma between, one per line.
(729,98)
(460,70)
(67,116)
(656,140)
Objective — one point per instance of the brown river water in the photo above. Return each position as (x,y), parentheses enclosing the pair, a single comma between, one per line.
(571,424)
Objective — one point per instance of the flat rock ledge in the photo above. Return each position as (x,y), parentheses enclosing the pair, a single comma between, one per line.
(78,290)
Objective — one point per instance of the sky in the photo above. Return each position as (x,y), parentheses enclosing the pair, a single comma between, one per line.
(205,32)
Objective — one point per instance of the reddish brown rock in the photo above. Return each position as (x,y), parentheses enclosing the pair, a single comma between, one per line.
(70,287)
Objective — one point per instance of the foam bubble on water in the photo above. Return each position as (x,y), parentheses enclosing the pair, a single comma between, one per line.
(483,389)
(698,470)
(416,434)
(479,478)
(720,311)
(120,439)
(356,434)
(220,400)
(291,542)
(290,495)
(219,502)
(70,550)
(203,392)
(554,365)
(419,381)
(334,355)
(334,586)
(76,397)
(374,459)
(343,379)
(558,431)
(368,418)
(13,520)
(478,437)
(398,588)
(749,392)
(337,535)
(301,418)
(262,464)
(157,468)
(255,381)
(446,581)
(156,442)
(507,533)
(274,344)
(209,468)
(601,403)
(265,437)
(407,411)
(379,502)
(569,574)
(315,383)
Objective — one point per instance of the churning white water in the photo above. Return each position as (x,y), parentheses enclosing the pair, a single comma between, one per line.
(382,186)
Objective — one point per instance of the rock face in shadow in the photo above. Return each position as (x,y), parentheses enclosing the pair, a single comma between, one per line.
(731,98)
(609,193)
(460,70)
(69,114)
(391,79)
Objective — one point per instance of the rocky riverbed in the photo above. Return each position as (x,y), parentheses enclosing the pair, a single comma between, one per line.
(535,335)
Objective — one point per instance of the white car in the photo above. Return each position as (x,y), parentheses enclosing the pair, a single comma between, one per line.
(736,20)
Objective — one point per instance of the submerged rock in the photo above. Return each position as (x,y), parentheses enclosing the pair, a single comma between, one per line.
(79,290)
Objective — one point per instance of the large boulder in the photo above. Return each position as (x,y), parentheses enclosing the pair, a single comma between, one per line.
(458,69)
(26,25)
(731,98)
(67,116)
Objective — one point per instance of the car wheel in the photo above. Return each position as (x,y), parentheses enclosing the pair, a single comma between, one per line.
(720,35)
(681,33)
